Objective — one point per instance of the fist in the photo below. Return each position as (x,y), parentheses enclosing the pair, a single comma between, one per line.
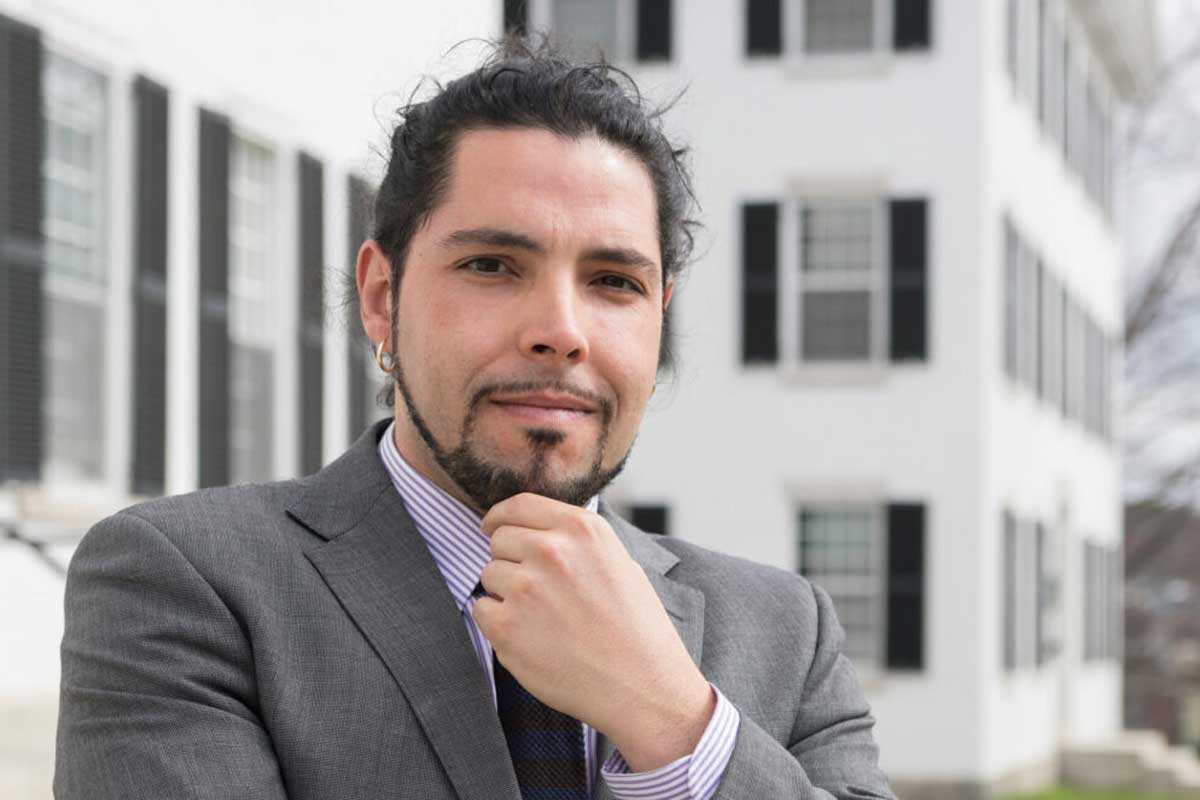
(578,624)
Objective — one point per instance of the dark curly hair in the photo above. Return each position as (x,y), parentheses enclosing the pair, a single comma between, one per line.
(530,84)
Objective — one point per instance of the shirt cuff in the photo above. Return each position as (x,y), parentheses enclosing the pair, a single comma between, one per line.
(692,777)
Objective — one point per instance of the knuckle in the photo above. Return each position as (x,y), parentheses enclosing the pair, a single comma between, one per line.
(554,555)
(523,585)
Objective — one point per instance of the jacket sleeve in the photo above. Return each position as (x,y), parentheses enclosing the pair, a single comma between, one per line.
(158,692)
(831,753)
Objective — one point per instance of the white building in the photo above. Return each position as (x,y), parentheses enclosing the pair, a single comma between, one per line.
(897,346)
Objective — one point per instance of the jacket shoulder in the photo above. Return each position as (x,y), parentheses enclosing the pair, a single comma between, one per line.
(211,524)
(739,585)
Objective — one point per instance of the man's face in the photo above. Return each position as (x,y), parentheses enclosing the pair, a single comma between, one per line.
(530,313)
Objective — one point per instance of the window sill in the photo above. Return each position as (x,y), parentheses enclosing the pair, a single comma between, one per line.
(836,374)
(66,510)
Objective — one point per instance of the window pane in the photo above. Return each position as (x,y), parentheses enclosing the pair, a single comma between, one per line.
(73,369)
(250,414)
(251,255)
(837,238)
(587,28)
(838,551)
(837,325)
(74,169)
(838,26)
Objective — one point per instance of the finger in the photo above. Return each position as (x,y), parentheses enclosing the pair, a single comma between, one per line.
(500,578)
(485,610)
(514,543)
(528,510)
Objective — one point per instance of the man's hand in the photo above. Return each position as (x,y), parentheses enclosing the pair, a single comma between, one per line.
(577,623)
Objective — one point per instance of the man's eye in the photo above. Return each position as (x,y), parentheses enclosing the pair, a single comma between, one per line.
(621,282)
(485,265)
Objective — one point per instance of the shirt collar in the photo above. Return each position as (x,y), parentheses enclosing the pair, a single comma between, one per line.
(450,528)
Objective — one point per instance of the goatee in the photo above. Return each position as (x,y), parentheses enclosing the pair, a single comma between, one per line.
(488,483)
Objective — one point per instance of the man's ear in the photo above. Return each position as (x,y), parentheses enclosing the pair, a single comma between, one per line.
(668,290)
(373,273)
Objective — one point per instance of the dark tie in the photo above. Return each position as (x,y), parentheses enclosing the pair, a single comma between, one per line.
(546,745)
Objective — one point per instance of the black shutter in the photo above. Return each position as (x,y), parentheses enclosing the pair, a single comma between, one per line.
(358,195)
(1008,602)
(214,299)
(312,317)
(760,256)
(654,30)
(906,586)
(764,27)
(909,279)
(148,467)
(22,259)
(911,25)
(516,17)
(651,519)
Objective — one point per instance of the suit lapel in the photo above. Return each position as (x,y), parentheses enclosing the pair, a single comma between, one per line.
(684,605)
(376,563)
(381,571)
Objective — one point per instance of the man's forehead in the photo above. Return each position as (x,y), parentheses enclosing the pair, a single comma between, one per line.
(530,182)
(538,157)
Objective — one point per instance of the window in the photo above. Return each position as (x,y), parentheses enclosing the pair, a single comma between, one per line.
(618,30)
(819,28)
(840,26)
(251,322)
(1103,578)
(1049,591)
(853,285)
(652,518)
(1052,339)
(1012,303)
(1022,49)
(588,27)
(1021,577)
(871,560)
(1049,61)
(1051,345)
(841,550)
(841,281)
(74,172)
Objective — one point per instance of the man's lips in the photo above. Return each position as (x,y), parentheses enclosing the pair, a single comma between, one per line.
(545,407)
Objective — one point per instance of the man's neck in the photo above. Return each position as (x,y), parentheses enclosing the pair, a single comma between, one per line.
(414,451)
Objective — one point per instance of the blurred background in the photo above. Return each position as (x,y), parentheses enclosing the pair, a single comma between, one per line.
(938,352)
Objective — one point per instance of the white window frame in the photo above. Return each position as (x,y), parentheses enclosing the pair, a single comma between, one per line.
(253,298)
(541,18)
(244,287)
(793,282)
(91,287)
(876,591)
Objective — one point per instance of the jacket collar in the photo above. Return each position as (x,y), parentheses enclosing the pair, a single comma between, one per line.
(374,560)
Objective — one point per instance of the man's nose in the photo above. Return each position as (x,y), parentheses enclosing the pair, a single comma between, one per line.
(552,328)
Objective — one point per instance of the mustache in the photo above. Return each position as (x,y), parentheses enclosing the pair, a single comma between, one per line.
(530,386)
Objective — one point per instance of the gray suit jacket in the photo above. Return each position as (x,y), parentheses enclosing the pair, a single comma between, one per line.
(296,640)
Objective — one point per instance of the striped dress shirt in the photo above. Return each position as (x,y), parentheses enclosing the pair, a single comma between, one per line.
(453,533)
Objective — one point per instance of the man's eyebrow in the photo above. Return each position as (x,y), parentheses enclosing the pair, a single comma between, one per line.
(499,237)
(492,237)
(623,256)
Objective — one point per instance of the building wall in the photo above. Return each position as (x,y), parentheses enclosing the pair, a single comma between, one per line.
(731,449)
(1038,463)
(325,81)
(762,439)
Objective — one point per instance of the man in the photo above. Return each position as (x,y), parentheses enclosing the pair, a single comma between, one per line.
(448,610)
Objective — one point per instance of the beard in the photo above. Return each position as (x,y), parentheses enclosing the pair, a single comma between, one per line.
(488,483)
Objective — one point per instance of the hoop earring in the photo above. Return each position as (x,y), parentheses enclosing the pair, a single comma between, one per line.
(379,359)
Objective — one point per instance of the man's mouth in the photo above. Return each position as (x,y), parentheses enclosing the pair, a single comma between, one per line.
(545,407)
